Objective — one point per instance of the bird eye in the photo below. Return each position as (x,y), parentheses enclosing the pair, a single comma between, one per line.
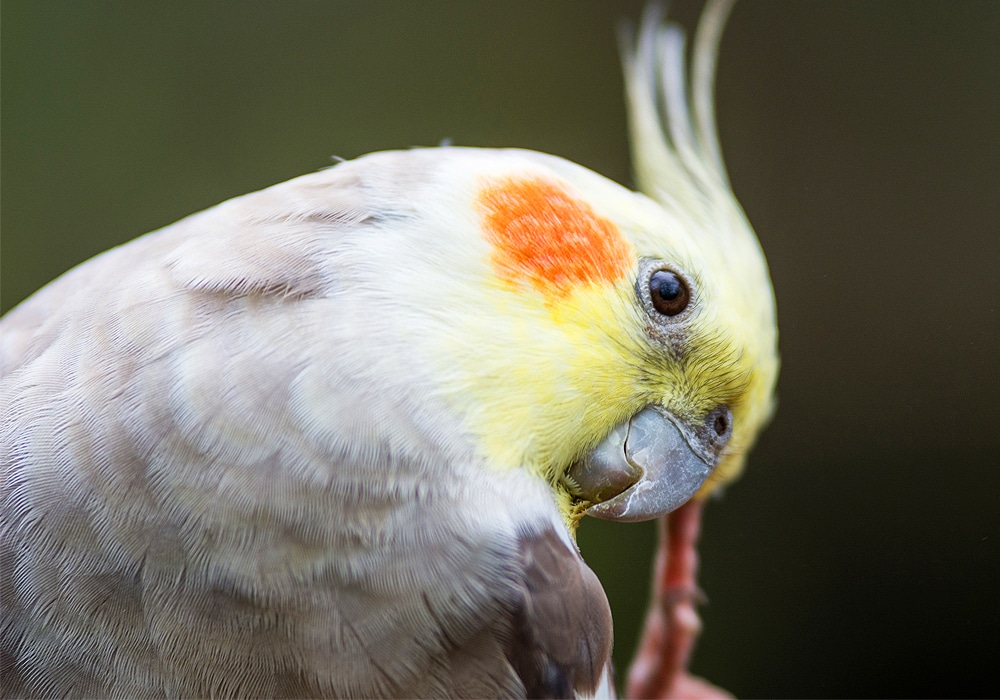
(669,292)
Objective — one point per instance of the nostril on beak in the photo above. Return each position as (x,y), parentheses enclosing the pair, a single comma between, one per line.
(719,424)
(713,433)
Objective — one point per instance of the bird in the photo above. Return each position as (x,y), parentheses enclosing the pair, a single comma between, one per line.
(334,438)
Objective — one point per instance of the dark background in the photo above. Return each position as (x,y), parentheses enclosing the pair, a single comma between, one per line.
(860,554)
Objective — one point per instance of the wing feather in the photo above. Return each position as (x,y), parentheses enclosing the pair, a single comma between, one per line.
(205,493)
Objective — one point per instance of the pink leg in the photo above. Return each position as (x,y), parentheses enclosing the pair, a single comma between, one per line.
(672,624)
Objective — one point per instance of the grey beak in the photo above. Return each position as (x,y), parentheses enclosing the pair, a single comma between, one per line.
(649,465)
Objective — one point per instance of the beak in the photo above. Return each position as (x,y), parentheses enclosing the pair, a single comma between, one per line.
(650,464)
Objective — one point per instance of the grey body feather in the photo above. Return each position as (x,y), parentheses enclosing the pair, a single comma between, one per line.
(223,474)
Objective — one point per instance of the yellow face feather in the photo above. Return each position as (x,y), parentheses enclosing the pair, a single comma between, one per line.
(556,346)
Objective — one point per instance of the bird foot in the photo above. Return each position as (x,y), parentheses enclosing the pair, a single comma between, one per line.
(672,623)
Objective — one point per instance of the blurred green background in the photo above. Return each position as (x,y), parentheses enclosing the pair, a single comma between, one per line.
(860,554)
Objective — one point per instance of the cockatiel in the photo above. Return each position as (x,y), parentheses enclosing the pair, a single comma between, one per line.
(333,438)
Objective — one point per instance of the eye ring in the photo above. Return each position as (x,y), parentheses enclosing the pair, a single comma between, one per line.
(666,311)
(669,292)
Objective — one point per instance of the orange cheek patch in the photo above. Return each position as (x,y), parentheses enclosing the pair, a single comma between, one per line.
(545,237)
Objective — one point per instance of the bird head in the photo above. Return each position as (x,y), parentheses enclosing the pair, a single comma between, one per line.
(609,344)
(622,346)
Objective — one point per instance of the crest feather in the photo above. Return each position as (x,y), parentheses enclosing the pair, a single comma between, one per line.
(675,144)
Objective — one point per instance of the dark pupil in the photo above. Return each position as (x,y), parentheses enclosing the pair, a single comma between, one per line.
(668,286)
(669,292)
